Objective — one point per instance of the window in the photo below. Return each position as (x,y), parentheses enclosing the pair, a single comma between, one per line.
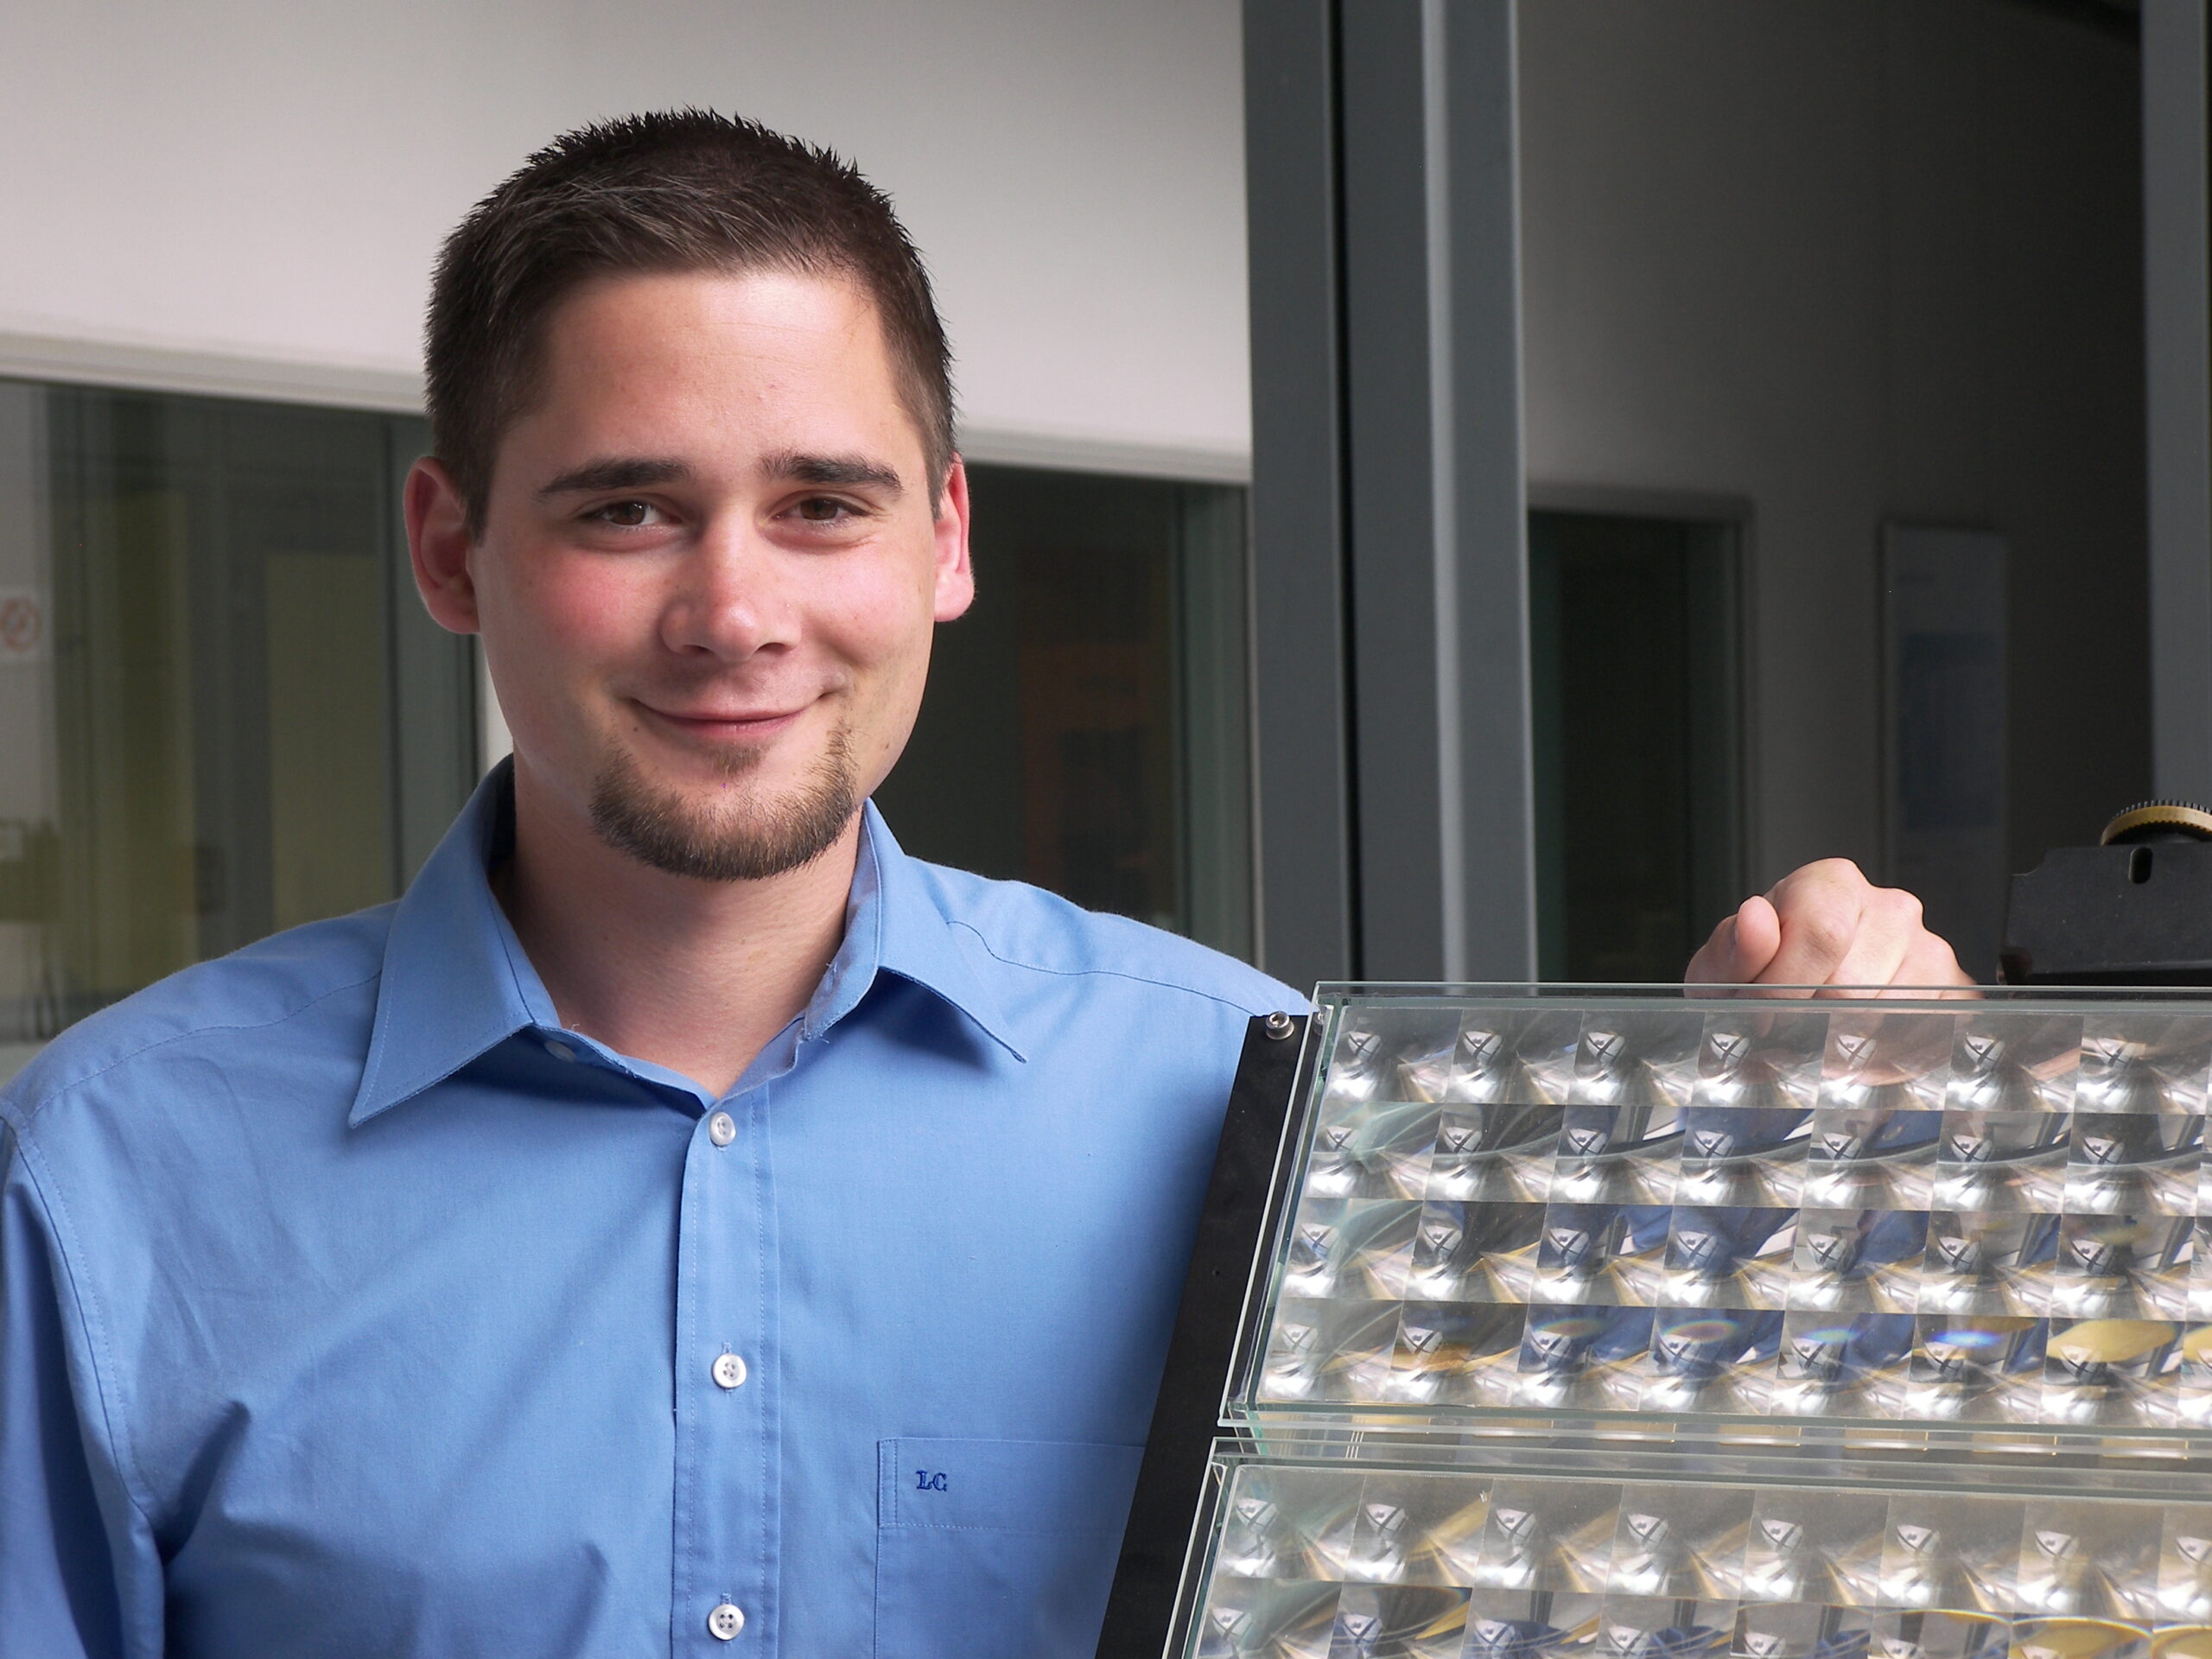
(1085,727)
(222,710)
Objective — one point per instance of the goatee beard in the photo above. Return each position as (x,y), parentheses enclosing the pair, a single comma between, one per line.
(738,839)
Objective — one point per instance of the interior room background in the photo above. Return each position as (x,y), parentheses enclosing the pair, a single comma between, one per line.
(1791,275)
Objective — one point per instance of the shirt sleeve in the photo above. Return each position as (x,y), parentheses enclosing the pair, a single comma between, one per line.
(63,1579)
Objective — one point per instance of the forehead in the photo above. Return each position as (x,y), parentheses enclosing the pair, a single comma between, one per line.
(682,359)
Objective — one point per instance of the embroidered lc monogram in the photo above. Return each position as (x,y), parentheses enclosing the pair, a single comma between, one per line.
(929,1480)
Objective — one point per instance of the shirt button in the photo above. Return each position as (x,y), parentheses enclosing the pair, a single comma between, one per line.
(721,1129)
(729,1371)
(559,1051)
(726,1621)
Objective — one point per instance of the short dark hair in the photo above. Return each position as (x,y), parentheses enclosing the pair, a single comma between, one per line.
(677,191)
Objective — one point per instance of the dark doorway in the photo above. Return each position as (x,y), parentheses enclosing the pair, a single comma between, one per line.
(1636,653)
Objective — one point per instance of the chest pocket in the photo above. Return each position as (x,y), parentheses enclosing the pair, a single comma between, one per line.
(996,1549)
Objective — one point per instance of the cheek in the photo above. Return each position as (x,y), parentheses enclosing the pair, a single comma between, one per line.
(881,624)
(562,605)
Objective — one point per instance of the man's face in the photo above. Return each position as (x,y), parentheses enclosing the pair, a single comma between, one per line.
(711,565)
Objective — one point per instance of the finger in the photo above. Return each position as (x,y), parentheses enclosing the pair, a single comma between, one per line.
(1819,912)
(1740,946)
(1930,961)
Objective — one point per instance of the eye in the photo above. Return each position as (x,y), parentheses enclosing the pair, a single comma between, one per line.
(624,515)
(823,509)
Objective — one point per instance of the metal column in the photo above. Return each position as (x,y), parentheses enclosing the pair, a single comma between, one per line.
(1390,516)
(2178,385)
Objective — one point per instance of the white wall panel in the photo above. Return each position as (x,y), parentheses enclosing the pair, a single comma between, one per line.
(268,182)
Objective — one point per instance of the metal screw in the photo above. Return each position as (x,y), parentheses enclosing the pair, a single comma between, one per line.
(1280,1025)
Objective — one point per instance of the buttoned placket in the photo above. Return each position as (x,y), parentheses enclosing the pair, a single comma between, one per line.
(727,1548)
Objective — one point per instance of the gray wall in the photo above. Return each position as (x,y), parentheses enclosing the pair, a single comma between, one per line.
(1851,260)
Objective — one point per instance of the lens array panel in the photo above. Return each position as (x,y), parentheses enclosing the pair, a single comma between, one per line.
(1335,1561)
(1987,1213)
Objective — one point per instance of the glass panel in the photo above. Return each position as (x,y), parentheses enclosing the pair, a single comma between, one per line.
(1746,1209)
(1343,1559)
(1085,727)
(197,712)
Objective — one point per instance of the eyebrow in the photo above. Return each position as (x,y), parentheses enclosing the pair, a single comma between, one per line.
(850,471)
(614,472)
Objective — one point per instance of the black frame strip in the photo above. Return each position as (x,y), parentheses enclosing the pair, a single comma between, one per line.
(1174,1494)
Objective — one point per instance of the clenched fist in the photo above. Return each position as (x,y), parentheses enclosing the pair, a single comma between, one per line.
(1827,924)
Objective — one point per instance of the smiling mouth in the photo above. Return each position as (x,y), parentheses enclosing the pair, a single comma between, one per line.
(716,723)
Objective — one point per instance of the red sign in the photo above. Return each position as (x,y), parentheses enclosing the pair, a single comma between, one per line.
(21,625)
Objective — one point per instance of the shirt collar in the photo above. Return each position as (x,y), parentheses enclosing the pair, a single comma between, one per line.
(456,983)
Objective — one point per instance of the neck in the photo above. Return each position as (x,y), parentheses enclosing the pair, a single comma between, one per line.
(692,975)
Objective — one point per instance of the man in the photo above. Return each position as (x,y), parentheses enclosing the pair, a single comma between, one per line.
(683,1223)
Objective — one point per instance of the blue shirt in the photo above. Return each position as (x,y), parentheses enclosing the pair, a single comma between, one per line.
(351,1305)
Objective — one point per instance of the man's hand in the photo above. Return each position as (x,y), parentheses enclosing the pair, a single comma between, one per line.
(1827,924)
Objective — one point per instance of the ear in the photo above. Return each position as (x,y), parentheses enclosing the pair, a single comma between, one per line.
(439,547)
(955,576)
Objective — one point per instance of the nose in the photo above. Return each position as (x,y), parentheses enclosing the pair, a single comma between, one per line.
(730,598)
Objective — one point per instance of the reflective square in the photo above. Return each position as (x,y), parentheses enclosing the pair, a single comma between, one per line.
(1399,1622)
(2121,1163)
(1475,1252)
(1328,1351)
(1497,1154)
(2082,1559)
(2001,1161)
(1456,1354)
(1870,1158)
(1586,1358)
(1376,1044)
(1515,1057)
(1729,1257)
(1286,1523)
(2014,1060)
(1636,1058)
(2122,1267)
(1857,1261)
(1262,1618)
(1761,1060)
(1976,1369)
(2120,1373)
(2184,1571)
(2193,1377)
(1888,1061)
(1809,1546)
(1350,1247)
(1947,1554)
(1986,1262)
(2144,1063)
(1733,1155)
(1601,1253)
(2079,1638)
(1373,1150)
(1548,1535)
(1938,1635)
(1618,1155)
(1529,1624)
(1641,1627)
(1798,1631)
(1844,1367)
(1712,1359)
(1679,1540)
(1416,1528)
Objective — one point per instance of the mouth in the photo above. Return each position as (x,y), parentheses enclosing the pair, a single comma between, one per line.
(720,725)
